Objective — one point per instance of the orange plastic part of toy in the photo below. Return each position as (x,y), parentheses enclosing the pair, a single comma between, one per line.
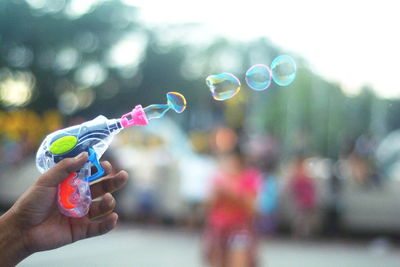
(65,192)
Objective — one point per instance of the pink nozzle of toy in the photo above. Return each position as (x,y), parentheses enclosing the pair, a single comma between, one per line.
(135,117)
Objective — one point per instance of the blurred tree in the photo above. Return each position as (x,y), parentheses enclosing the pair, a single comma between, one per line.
(99,59)
(65,51)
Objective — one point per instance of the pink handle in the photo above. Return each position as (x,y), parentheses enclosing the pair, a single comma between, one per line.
(135,117)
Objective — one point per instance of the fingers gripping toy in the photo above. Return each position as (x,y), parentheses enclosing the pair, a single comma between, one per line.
(94,137)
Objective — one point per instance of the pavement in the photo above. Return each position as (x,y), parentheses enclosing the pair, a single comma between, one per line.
(131,245)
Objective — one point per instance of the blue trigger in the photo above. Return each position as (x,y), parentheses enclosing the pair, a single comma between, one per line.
(93,159)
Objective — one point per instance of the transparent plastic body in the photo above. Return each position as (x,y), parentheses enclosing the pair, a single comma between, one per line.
(96,134)
(94,137)
(74,197)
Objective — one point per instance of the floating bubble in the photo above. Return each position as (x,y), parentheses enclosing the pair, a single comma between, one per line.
(175,101)
(223,86)
(283,70)
(258,77)
(156,111)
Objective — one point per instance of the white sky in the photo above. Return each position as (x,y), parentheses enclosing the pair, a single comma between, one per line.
(352,42)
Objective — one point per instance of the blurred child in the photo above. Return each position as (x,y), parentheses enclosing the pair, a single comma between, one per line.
(302,189)
(268,200)
(230,239)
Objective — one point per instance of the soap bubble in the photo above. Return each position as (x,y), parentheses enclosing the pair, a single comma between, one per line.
(176,101)
(156,111)
(283,70)
(258,77)
(223,86)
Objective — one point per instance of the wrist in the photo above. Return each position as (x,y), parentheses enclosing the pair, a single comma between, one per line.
(12,246)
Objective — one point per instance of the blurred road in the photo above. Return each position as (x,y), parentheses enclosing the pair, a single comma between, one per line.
(154,247)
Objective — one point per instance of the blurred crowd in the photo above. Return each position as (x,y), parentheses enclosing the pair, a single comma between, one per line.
(300,194)
(238,188)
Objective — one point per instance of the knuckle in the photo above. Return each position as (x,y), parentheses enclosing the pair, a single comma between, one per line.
(67,162)
(106,185)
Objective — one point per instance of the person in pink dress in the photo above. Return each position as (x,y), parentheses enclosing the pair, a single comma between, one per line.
(303,193)
(229,238)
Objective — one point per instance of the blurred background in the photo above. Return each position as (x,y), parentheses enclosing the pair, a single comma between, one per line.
(66,61)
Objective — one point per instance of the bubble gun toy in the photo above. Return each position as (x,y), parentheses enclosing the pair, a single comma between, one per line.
(94,137)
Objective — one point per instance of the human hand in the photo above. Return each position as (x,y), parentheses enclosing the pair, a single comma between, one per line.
(34,222)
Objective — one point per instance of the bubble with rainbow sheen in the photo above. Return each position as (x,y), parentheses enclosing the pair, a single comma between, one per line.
(283,70)
(156,111)
(223,86)
(258,77)
(176,101)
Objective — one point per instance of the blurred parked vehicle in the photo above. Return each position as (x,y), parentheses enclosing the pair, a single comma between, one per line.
(371,206)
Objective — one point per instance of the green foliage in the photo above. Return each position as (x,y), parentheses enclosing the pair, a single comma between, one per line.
(311,107)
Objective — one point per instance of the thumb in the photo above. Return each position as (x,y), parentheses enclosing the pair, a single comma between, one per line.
(62,170)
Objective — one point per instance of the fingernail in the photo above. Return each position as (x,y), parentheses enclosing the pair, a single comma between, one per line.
(111,204)
(81,155)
